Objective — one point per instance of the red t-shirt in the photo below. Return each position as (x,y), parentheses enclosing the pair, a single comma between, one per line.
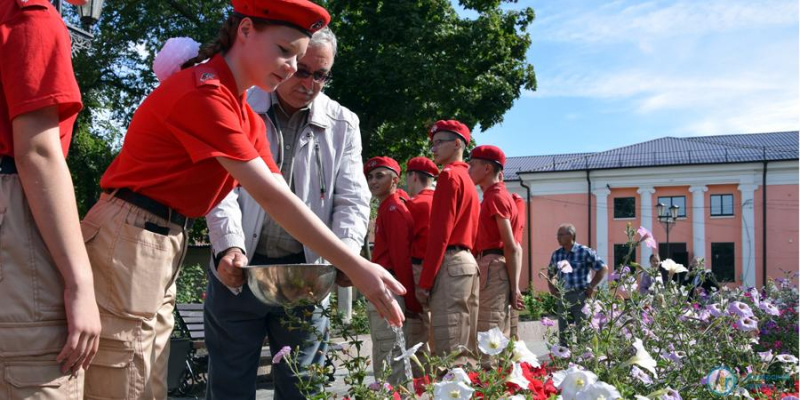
(170,148)
(394,229)
(420,208)
(454,218)
(520,202)
(35,68)
(497,202)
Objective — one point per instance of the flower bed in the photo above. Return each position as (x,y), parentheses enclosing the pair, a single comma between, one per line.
(735,343)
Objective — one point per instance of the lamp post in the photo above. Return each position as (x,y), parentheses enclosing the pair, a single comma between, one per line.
(668,220)
(89,13)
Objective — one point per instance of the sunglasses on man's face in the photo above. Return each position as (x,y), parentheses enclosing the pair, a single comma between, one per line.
(318,76)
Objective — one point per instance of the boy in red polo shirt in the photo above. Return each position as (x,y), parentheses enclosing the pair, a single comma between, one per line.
(449,280)
(499,254)
(394,229)
(420,173)
(49,321)
(523,218)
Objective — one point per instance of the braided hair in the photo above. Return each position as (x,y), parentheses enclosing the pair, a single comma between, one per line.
(224,41)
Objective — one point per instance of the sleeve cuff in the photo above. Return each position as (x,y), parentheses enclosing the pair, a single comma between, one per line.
(226,241)
(235,290)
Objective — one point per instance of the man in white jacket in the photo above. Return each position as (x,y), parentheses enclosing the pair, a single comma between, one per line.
(317,144)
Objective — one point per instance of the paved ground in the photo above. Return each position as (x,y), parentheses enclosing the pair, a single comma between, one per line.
(531,333)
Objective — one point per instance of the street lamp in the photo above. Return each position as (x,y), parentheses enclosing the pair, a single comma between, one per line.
(89,13)
(668,220)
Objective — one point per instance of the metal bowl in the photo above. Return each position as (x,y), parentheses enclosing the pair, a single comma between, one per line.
(287,284)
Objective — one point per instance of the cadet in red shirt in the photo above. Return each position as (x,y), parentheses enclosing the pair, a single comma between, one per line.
(190,142)
(394,229)
(499,254)
(49,322)
(523,217)
(420,173)
(449,281)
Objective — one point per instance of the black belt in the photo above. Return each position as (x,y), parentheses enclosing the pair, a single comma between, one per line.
(416,260)
(7,165)
(457,248)
(498,252)
(153,207)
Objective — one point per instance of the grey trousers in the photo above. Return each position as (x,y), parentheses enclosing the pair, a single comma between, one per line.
(572,302)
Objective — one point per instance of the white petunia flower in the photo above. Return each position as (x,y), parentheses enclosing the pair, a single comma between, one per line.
(523,355)
(452,391)
(492,342)
(517,377)
(786,358)
(672,267)
(642,358)
(564,266)
(573,381)
(598,391)
(457,375)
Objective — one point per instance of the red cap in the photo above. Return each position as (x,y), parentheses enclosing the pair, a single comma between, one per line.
(450,125)
(382,162)
(489,153)
(300,14)
(422,164)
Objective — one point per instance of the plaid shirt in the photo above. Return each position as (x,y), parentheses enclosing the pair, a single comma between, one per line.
(582,259)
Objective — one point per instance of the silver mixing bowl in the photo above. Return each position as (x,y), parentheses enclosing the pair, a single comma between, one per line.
(286,284)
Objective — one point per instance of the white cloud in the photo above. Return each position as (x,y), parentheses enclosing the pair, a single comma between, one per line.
(756,115)
(704,63)
(625,21)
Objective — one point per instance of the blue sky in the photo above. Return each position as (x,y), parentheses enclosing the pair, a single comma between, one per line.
(613,73)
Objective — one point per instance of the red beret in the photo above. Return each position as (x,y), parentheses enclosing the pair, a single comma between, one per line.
(489,153)
(300,14)
(450,125)
(382,162)
(422,164)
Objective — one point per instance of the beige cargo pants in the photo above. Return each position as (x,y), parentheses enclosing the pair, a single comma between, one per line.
(454,306)
(134,276)
(384,348)
(494,294)
(33,326)
(419,328)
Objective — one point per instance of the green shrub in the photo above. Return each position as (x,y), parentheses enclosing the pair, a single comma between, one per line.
(192,284)
(539,304)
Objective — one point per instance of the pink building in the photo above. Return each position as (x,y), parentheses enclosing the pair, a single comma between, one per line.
(725,214)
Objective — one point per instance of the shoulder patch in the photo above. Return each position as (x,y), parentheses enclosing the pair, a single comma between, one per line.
(32,3)
(206,77)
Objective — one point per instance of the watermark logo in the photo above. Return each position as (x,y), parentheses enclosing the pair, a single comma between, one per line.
(721,381)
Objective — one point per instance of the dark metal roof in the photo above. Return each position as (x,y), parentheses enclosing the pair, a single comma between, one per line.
(667,151)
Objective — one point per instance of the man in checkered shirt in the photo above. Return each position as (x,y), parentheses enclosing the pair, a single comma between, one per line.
(571,266)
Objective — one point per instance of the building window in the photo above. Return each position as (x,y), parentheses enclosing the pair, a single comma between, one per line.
(722,261)
(625,207)
(721,205)
(620,251)
(679,201)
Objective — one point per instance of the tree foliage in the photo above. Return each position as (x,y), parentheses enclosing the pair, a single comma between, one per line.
(401,66)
